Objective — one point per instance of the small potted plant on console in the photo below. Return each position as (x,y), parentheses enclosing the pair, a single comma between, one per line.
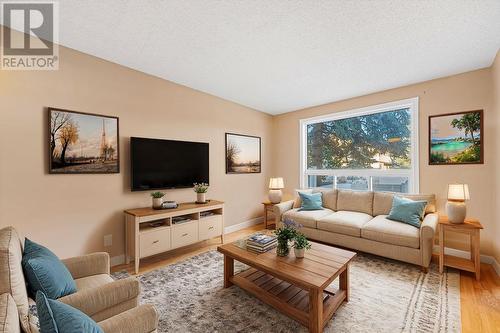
(201,190)
(300,244)
(157,199)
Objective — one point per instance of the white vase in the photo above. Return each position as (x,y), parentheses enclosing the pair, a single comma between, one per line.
(157,203)
(201,197)
(299,253)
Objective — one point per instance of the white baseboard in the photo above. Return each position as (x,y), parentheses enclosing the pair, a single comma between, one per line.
(243,225)
(466,255)
(117,260)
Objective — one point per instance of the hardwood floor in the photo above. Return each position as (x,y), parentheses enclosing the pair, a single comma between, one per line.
(480,300)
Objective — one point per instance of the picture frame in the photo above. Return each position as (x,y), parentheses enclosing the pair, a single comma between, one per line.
(83,143)
(456,138)
(243,154)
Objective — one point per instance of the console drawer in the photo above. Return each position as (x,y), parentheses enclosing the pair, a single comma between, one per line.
(210,227)
(184,234)
(154,242)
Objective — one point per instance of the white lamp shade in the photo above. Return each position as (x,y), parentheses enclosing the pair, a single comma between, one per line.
(276,183)
(458,192)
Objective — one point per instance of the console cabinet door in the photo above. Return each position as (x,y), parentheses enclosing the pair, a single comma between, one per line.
(184,234)
(154,242)
(210,227)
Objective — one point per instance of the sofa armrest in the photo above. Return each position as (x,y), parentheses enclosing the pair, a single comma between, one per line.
(428,229)
(143,319)
(9,317)
(95,300)
(281,208)
(87,265)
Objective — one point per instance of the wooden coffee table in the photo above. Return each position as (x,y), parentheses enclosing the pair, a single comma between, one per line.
(300,288)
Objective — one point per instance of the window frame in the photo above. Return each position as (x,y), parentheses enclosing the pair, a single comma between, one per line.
(413,173)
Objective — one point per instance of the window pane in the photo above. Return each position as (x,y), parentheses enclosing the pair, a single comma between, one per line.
(320,181)
(374,141)
(352,183)
(392,184)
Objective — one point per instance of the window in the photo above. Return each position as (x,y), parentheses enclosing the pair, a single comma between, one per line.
(373,148)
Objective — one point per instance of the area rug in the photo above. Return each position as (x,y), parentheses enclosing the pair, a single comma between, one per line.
(386,296)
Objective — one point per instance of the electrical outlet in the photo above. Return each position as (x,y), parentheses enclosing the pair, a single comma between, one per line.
(108,240)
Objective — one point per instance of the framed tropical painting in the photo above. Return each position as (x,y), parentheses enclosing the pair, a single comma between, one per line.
(456,138)
(83,142)
(242,153)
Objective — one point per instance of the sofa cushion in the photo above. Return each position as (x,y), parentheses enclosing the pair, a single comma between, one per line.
(382,202)
(307,218)
(355,201)
(93,281)
(384,230)
(9,317)
(57,317)
(11,273)
(45,272)
(344,222)
(329,198)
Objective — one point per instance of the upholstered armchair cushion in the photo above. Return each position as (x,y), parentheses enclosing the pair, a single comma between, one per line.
(11,273)
(143,319)
(87,265)
(9,317)
(106,300)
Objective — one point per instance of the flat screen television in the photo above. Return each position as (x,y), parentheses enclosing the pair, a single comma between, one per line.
(166,164)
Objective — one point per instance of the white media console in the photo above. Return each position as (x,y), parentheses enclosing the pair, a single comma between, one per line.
(149,231)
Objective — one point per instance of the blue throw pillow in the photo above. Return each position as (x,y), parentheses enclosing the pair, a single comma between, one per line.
(45,272)
(310,201)
(57,317)
(407,211)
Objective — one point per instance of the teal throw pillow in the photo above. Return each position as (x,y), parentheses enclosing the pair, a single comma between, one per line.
(45,272)
(57,317)
(310,201)
(407,211)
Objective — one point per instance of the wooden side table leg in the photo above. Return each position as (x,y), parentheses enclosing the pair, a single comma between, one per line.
(265,216)
(315,310)
(228,271)
(476,257)
(441,249)
(344,282)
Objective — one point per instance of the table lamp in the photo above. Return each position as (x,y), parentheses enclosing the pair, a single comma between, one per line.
(275,186)
(455,207)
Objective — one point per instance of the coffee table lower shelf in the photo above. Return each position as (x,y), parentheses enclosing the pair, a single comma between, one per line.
(287,298)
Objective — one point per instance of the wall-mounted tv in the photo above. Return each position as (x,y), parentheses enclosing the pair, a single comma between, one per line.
(165,164)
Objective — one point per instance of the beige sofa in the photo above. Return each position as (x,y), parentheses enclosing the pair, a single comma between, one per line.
(358,220)
(113,304)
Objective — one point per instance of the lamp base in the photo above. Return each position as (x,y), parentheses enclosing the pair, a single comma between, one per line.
(275,196)
(456,211)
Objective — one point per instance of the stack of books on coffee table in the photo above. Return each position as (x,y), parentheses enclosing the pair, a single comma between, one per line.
(261,243)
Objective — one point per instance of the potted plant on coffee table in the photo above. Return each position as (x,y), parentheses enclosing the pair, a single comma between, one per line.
(201,190)
(300,244)
(157,199)
(285,234)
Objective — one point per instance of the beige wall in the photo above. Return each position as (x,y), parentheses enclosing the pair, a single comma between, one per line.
(495,70)
(468,91)
(72,213)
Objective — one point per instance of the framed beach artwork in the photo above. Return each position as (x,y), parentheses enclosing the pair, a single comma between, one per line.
(456,138)
(83,143)
(242,153)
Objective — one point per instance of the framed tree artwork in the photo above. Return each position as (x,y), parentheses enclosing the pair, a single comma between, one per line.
(83,142)
(456,138)
(242,154)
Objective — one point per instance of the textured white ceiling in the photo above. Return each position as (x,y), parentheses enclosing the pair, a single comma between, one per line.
(278,56)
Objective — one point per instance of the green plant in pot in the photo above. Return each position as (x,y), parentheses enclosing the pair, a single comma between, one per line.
(300,245)
(201,190)
(285,234)
(157,199)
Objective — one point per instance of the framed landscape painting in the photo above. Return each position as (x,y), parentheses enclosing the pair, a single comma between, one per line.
(83,142)
(242,153)
(456,138)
